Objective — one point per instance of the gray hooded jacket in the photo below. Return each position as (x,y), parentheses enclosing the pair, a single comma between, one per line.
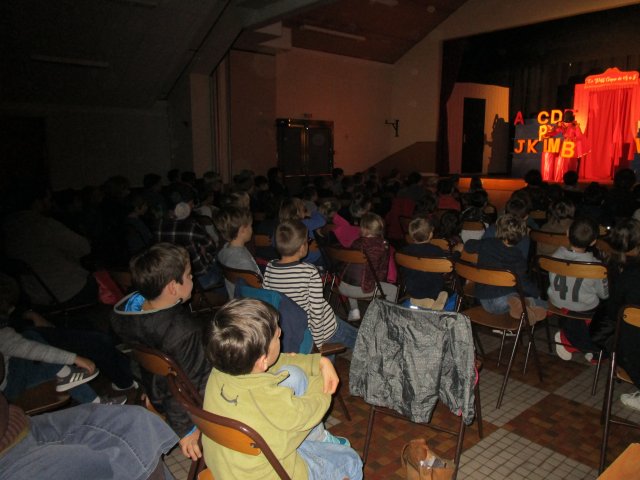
(406,359)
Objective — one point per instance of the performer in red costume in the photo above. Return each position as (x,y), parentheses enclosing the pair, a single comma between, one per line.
(554,166)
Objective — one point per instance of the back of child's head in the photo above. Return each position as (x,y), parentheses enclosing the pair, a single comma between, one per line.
(156,267)
(360,205)
(561,210)
(533,178)
(511,229)
(421,229)
(594,194)
(9,294)
(291,209)
(241,333)
(583,232)
(290,236)
(151,180)
(450,224)
(624,179)
(517,206)
(229,220)
(414,178)
(328,209)
(371,224)
(625,236)
(570,178)
(310,193)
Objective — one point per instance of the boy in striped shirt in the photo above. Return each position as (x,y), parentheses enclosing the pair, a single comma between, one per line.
(301,283)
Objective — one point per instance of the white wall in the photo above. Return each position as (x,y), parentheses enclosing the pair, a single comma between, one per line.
(354,94)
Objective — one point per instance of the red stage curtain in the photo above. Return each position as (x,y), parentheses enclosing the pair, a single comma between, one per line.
(609,133)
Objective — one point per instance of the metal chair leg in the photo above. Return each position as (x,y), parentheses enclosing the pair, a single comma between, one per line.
(597,375)
(458,454)
(607,415)
(478,408)
(506,374)
(367,440)
(343,405)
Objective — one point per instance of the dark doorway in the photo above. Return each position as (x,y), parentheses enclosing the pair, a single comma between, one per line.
(473,135)
(305,147)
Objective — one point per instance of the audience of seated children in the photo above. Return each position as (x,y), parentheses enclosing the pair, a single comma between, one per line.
(347,220)
(502,252)
(357,281)
(581,296)
(283,397)
(301,283)
(235,226)
(424,288)
(156,316)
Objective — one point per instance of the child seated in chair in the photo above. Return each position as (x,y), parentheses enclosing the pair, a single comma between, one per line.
(426,289)
(282,397)
(502,252)
(156,316)
(301,282)
(576,295)
(359,281)
(235,226)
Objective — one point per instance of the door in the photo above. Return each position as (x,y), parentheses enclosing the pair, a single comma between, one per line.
(305,147)
(473,135)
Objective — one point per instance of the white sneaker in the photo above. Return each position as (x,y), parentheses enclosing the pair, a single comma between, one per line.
(588,357)
(631,400)
(562,352)
(116,388)
(354,315)
(76,376)
(115,400)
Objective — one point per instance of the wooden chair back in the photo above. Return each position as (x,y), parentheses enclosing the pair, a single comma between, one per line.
(440,242)
(158,363)
(232,275)
(485,275)
(424,264)
(261,240)
(473,226)
(568,268)
(549,238)
(469,257)
(225,431)
(338,256)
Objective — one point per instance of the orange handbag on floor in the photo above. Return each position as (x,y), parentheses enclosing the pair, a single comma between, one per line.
(421,463)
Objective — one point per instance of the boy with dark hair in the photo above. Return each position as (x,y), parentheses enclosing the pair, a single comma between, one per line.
(422,285)
(235,226)
(282,397)
(156,316)
(502,252)
(301,283)
(577,295)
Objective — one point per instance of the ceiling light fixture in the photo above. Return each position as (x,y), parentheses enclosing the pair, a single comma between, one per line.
(335,33)
(77,62)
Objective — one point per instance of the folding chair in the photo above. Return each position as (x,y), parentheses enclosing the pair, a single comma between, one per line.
(631,316)
(385,384)
(158,363)
(503,322)
(224,431)
(442,265)
(581,270)
(232,275)
(343,256)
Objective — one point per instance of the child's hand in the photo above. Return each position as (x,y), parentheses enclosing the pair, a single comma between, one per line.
(329,375)
(85,363)
(189,445)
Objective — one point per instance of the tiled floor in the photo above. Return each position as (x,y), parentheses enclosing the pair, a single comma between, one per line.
(548,430)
